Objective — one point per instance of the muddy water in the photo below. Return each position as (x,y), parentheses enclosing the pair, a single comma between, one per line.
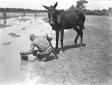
(13,40)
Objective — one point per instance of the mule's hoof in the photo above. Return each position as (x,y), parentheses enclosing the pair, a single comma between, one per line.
(75,45)
(55,49)
(81,45)
(56,57)
(61,51)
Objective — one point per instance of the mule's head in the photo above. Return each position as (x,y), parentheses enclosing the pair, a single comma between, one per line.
(51,14)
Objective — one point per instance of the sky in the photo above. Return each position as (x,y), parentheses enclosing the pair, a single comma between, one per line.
(62,4)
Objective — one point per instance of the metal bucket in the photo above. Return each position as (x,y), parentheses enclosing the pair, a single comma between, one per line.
(24,57)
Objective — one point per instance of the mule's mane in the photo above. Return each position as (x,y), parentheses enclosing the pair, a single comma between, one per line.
(59,11)
(62,11)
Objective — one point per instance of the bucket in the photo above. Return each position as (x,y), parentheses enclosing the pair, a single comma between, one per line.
(24,57)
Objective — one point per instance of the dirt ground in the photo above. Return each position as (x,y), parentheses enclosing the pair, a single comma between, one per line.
(89,65)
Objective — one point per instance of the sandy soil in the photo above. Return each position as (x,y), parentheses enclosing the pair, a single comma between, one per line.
(89,65)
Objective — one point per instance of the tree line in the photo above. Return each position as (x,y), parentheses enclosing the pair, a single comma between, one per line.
(92,12)
(19,10)
(81,6)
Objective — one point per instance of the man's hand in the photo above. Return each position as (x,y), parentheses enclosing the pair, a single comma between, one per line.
(35,52)
(22,53)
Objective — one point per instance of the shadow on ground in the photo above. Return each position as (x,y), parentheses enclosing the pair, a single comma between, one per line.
(49,58)
(69,47)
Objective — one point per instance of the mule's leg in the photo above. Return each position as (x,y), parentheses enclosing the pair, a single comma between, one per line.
(81,35)
(78,33)
(57,38)
(61,39)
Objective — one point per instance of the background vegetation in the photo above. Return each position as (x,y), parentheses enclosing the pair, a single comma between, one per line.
(80,6)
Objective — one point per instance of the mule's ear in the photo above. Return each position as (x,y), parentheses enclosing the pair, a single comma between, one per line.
(55,5)
(46,7)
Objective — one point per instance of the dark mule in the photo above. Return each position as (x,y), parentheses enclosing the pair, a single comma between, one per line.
(60,20)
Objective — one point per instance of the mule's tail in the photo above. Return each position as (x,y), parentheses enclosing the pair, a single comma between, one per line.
(83,18)
(83,27)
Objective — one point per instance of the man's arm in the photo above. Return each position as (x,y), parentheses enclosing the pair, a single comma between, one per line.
(32,47)
(34,52)
(30,51)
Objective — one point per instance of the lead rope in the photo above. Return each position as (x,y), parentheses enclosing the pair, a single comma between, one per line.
(51,33)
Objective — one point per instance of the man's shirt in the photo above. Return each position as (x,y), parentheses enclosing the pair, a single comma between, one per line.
(43,45)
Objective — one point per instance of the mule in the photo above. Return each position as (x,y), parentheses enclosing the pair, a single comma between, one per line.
(60,20)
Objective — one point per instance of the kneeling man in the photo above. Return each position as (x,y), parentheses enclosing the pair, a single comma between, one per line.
(43,45)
